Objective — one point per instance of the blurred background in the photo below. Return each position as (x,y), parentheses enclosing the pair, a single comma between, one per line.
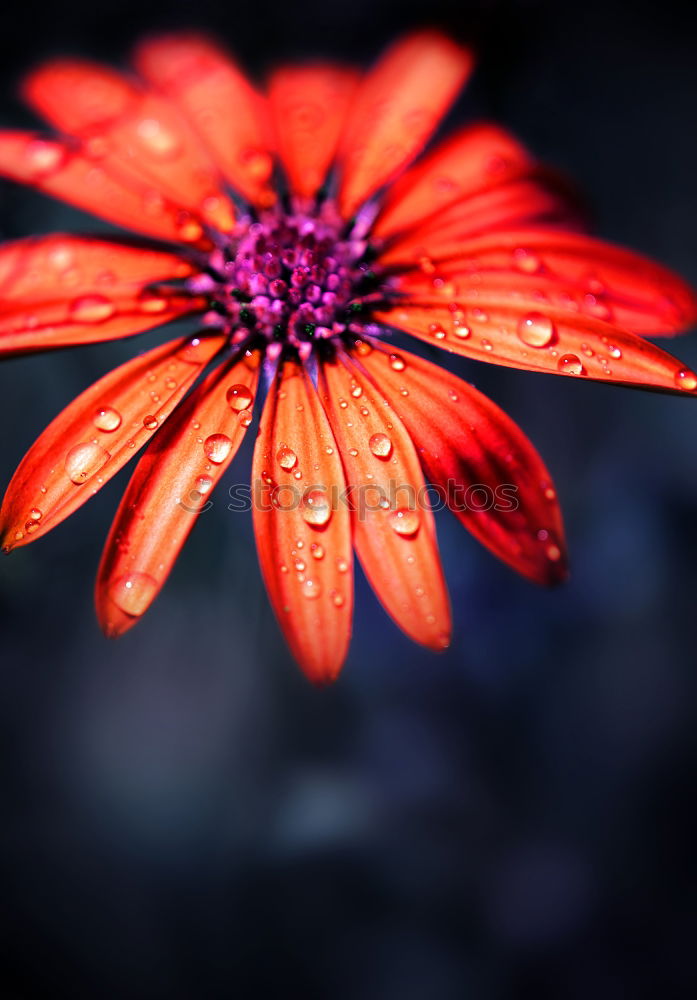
(182,816)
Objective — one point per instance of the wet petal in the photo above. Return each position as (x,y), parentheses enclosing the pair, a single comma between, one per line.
(59,290)
(393,526)
(64,170)
(96,435)
(472,160)
(542,339)
(572,271)
(221,104)
(309,106)
(170,489)
(302,525)
(486,469)
(398,106)
(137,133)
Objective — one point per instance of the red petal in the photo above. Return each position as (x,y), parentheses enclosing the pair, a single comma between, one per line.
(309,106)
(220,103)
(396,543)
(494,330)
(59,290)
(575,272)
(302,525)
(470,161)
(63,170)
(169,490)
(492,477)
(96,435)
(398,105)
(132,132)
(534,198)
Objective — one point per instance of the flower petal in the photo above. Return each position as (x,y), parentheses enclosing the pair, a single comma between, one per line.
(486,469)
(220,103)
(309,106)
(96,435)
(398,105)
(472,160)
(59,290)
(302,525)
(542,339)
(573,271)
(131,131)
(536,197)
(62,169)
(169,490)
(393,527)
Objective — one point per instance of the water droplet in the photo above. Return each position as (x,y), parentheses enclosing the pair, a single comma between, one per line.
(553,553)
(133,593)
(342,566)
(245,418)
(356,391)
(239,397)
(316,508)
(84,460)
(286,458)
(487,345)
(397,363)
(404,521)
(613,351)
(380,445)
(35,514)
(453,395)
(570,364)
(536,330)
(107,419)
(353,452)
(45,157)
(150,423)
(195,352)
(437,331)
(317,551)
(311,588)
(92,309)
(337,599)
(685,379)
(526,261)
(31,526)
(217,448)
(204,484)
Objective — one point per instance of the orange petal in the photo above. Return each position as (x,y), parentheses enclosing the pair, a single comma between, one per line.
(59,290)
(393,526)
(131,131)
(486,469)
(96,435)
(169,490)
(302,525)
(398,106)
(63,170)
(534,198)
(569,270)
(543,340)
(473,159)
(220,103)
(309,106)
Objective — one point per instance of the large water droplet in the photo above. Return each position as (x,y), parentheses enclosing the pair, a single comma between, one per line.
(133,593)
(570,364)
(404,521)
(380,445)
(286,458)
(217,448)
(685,379)
(316,508)
(536,330)
(107,419)
(397,363)
(84,460)
(239,397)
(92,309)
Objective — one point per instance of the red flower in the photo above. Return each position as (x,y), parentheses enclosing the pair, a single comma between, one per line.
(474,249)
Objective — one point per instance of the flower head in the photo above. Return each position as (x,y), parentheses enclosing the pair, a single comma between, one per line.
(299,229)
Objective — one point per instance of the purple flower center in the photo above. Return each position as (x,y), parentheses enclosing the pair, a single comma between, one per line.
(289,279)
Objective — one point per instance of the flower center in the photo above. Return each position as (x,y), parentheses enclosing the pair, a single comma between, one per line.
(293,279)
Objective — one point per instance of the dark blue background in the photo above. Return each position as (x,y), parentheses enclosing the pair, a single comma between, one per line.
(182,816)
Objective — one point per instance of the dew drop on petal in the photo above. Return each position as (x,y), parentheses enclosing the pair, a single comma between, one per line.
(239,397)
(107,419)
(553,553)
(84,460)
(194,352)
(311,588)
(356,391)
(404,521)
(316,508)
(536,330)
(337,599)
(526,261)
(35,514)
(317,551)
(45,157)
(685,379)
(570,364)
(342,566)
(380,445)
(436,330)
(204,485)
(397,363)
(91,309)
(150,423)
(133,593)
(217,448)
(286,458)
